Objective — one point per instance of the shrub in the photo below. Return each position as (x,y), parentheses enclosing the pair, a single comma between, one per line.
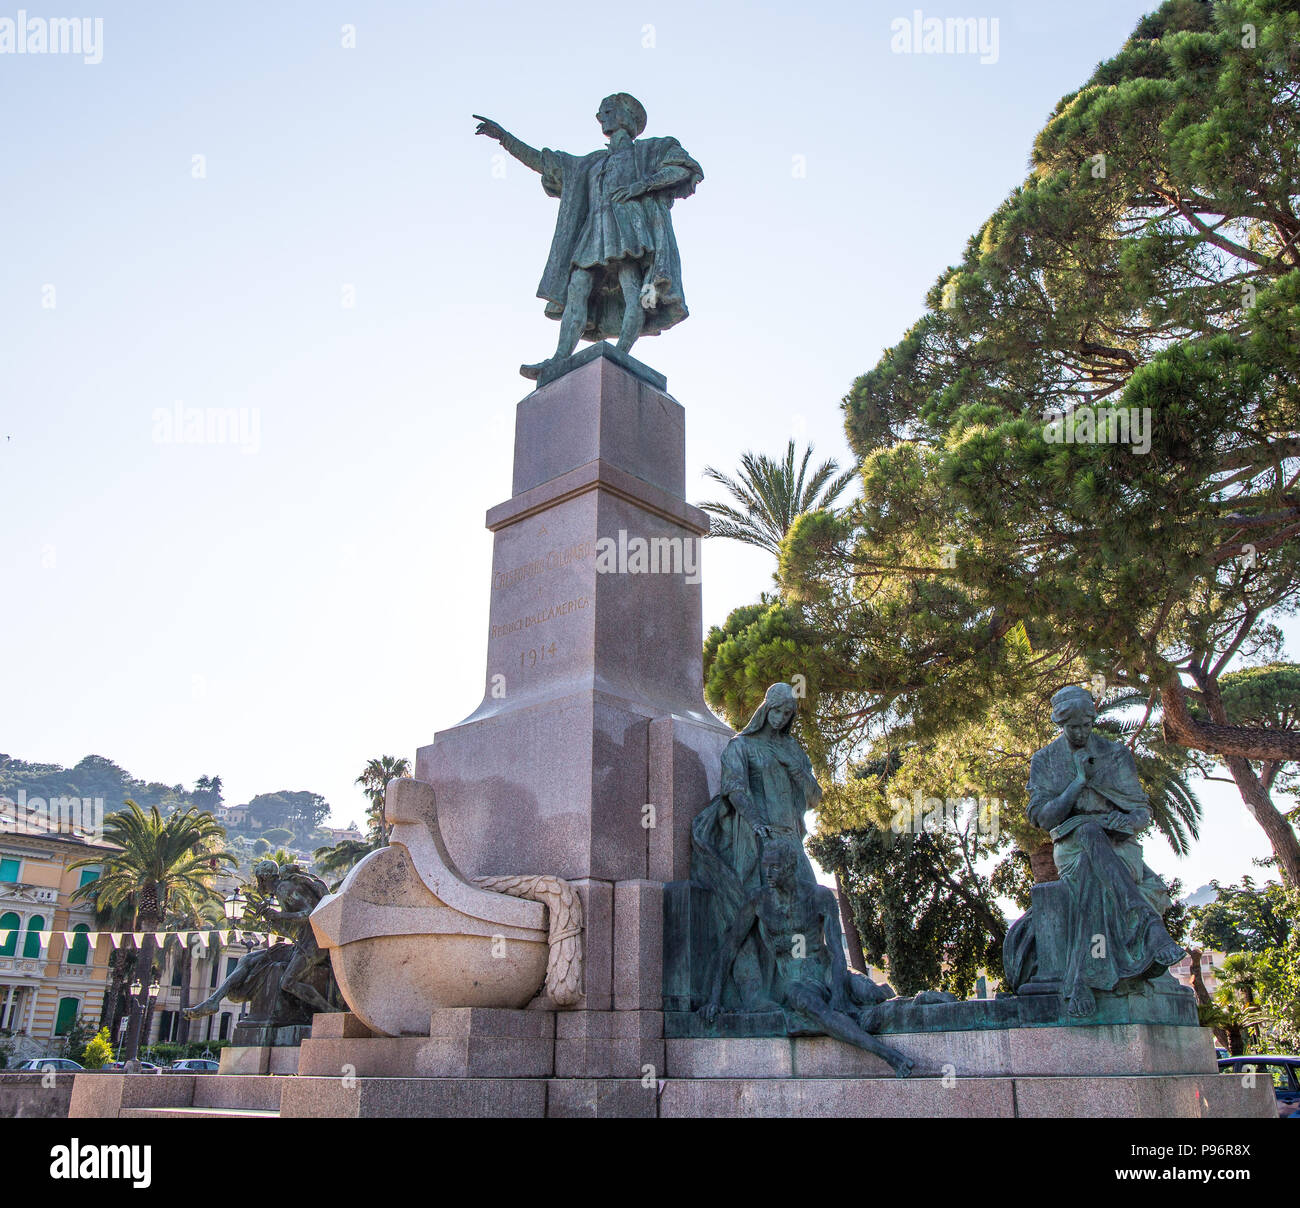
(98,1051)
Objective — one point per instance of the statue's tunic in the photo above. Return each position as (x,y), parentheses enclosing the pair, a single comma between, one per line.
(1114,895)
(725,853)
(594,232)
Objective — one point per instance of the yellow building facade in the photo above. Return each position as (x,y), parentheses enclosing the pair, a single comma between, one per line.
(50,973)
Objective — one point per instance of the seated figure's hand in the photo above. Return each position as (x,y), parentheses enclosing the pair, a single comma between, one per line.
(1082,765)
(710,1011)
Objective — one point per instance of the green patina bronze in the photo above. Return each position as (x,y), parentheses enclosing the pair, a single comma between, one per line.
(613,270)
(753,946)
(770,956)
(1105,933)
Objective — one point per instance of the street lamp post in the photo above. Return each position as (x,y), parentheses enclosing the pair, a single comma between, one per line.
(129,1060)
(148,1012)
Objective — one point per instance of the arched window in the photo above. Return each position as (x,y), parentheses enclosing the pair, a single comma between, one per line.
(80,950)
(10,922)
(68,1009)
(32,944)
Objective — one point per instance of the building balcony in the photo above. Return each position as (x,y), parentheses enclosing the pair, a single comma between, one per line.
(22,965)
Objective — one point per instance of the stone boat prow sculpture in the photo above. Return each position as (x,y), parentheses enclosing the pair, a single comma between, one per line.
(408,933)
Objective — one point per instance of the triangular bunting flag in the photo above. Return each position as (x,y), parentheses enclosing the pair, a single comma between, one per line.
(138,936)
(115,938)
(4,935)
(69,938)
(160,938)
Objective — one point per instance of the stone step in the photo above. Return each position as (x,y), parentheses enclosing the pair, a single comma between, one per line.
(1105,1050)
(1169,1096)
(238,1091)
(1173,1096)
(196,1113)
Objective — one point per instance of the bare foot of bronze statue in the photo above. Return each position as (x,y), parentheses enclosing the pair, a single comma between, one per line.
(1082,1002)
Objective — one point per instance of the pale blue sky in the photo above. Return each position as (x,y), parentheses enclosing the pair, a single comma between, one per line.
(278,615)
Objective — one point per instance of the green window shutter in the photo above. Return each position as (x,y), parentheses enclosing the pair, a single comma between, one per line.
(9,869)
(68,1009)
(88,875)
(9,922)
(32,944)
(80,950)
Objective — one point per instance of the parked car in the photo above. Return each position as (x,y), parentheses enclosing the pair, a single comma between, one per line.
(146,1067)
(1282,1071)
(60,1065)
(194,1065)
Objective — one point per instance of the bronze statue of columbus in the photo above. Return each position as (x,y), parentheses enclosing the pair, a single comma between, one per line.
(613,269)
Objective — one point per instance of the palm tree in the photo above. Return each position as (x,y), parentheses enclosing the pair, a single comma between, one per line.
(772,495)
(337,861)
(1234,1014)
(120,916)
(374,780)
(159,865)
(192,917)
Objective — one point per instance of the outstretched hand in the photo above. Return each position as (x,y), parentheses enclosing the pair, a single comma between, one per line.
(487,126)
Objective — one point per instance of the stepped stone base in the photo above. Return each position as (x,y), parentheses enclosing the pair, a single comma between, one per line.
(482,1042)
(487,1062)
(1118,1049)
(1182,1096)
(259,1059)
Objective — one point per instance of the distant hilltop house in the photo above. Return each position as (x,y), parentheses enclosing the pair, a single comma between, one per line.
(232,815)
(340,834)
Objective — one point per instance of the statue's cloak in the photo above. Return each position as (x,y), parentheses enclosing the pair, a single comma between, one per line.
(1115,929)
(601,234)
(725,852)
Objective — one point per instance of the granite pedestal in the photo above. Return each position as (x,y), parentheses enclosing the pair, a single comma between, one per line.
(592,748)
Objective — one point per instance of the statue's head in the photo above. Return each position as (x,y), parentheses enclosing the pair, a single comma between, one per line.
(776,712)
(267,873)
(779,863)
(1074,711)
(622,111)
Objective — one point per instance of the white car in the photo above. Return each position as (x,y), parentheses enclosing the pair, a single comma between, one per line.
(59,1065)
(194,1065)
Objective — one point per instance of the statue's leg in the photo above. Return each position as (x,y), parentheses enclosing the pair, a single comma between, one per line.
(574,320)
(840,1026)
(629,279)
(292,982)
(233,988)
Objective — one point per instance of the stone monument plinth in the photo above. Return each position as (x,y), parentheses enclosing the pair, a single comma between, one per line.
(574,783)
(592,748)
